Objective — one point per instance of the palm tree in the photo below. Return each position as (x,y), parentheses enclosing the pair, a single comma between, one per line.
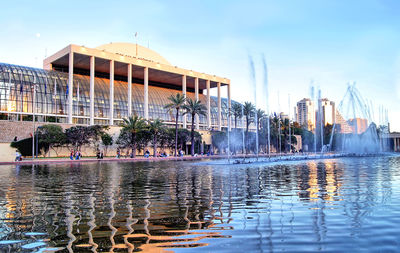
(194,107)
(248,111)
(155,127)
(260,115)
(134,125)
(236,111)
(177,102)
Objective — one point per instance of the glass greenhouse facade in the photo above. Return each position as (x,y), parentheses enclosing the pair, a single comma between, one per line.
(51,102)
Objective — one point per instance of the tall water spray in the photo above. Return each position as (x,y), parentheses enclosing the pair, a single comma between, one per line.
(229,137)
(313,99)
(321,123)
(290,136)
(357,131)
(243,137)
(254,83)
(279,126)
(267,105)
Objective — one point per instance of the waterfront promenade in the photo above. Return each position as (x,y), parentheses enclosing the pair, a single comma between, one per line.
(274,157)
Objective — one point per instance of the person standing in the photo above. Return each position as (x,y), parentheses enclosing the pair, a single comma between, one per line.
(17,156)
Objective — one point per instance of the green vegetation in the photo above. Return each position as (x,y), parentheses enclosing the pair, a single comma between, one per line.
(134,127)
(177,103)
(194,108)
(138,133)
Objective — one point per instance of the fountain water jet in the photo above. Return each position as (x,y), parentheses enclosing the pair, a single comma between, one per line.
(267,106)
(254,83)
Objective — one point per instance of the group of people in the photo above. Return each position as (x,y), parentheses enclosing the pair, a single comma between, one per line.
(75,155)
(146,154)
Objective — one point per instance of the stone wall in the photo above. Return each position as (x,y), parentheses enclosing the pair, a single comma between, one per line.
(20,129)
(23,129)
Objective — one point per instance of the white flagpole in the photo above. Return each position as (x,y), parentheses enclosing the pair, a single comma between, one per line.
(136,43)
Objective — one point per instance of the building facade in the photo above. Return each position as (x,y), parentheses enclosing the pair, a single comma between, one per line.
(328,110)
(305,113)
(103,85)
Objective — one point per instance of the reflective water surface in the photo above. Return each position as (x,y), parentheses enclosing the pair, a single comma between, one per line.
(346,204)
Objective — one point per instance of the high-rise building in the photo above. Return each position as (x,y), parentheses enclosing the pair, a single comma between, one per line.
(305,113)
(327,111)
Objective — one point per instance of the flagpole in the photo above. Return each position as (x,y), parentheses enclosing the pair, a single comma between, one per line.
(33,113)
(136,43)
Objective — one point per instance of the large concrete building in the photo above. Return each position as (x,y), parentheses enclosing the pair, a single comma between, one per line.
(103,85)
(305,113)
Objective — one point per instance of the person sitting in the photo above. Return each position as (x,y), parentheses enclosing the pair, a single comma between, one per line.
(147,153)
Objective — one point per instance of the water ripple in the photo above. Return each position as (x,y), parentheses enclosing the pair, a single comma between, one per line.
(347,204)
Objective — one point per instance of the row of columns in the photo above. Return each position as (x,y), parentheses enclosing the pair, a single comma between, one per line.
(146,94)
(396,144)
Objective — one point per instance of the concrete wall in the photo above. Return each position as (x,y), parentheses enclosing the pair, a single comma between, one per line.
(23,129)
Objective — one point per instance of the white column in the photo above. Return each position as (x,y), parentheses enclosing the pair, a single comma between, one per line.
(196,97)
(208,105)
(219,106)
(70,85)
(129,90)
(184,94)
(112,92)
(92,68)
(229,107)
(146,93)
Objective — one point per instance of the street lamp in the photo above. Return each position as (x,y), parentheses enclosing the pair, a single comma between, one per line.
(34,116)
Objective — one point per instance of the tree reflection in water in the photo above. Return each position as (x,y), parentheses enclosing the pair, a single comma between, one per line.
(162,206)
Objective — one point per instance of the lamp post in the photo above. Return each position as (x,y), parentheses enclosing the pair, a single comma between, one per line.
(34,116)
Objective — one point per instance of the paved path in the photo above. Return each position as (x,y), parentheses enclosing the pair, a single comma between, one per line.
(137,159)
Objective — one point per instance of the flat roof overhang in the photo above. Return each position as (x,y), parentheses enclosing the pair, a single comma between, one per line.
(158,72)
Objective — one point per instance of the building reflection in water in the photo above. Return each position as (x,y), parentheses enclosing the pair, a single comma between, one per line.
(162,206)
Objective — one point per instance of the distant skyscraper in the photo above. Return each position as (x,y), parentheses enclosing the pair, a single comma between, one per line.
(328,111)
(305,113)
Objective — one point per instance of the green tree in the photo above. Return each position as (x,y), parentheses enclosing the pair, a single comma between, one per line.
(156,128)
(107,141)
(176,102)
(236,111)
(133,125)
(78,136)
(51,136)
(24,146)
(194,107)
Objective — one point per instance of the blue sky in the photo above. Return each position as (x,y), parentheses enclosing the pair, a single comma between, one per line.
(329,42)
